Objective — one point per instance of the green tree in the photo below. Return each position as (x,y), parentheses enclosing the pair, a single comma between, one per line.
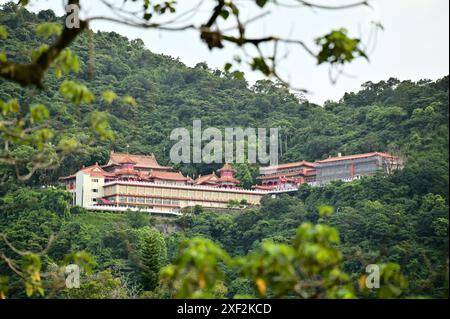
(152,256)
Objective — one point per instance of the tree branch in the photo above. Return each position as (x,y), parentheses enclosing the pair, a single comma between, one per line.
(33,73)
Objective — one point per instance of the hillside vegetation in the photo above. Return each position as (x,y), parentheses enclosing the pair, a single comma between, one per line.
(402,218)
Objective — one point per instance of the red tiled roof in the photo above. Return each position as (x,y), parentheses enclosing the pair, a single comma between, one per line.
(174,176)
(96,170)
(226,179)
(226,167)
(126,160)
(127,171)
(143,161)
(290,165)
(93,170)
(290,174)
(356,156)
(67,177)
(210,178)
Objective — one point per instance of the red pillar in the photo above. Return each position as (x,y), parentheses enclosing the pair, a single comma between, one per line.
(352,169)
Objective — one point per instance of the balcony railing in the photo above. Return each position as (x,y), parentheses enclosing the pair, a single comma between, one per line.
(193,187)
(123,208)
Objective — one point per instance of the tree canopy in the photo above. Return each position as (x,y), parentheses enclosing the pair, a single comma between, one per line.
(124,97)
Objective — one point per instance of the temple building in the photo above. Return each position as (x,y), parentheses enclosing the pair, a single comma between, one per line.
(286,175)
(350,167)
(134,181)
(346,168)
(225,179)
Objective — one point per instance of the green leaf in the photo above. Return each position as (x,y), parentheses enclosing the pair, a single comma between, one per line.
(76,92)
(42,136)
(12,106)
(325,210)
(38,113)
(261,3)
(224,14)
(4,286)
(109,96)
(227,67)
(338,48)
(68,144)
(129,100)
(58,72)
(36,53)
(238,75)
(47,29)
(147,16)
(3,32)
(260,64)
(66,62)
(100,125)
(28,289)
(82,258)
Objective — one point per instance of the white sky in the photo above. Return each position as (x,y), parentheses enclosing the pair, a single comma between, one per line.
(414,44)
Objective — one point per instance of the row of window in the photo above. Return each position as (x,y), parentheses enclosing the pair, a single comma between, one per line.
(144,200)
(182,193)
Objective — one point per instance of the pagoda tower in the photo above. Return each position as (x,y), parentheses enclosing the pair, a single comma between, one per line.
(126,170)
(227,179)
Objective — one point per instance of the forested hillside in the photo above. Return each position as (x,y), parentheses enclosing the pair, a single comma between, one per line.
(405,118)
(402,218)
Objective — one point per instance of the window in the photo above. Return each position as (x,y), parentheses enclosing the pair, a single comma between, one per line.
(95,190)
(95,180)
(94,199)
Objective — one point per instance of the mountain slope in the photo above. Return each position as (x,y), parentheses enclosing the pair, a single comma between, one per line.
(406,118)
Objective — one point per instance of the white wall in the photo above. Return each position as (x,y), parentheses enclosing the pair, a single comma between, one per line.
(85,186)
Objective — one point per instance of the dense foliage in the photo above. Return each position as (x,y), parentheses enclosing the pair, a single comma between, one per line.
(401,218)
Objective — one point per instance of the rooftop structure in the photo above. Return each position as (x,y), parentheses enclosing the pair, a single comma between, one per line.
(139,181)
(346,168)
(141,162)
(352,167)
(288,175)
(225,179)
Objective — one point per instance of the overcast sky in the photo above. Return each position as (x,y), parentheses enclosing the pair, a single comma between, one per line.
(414,44)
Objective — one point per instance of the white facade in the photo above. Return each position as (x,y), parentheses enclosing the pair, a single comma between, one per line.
(88,189)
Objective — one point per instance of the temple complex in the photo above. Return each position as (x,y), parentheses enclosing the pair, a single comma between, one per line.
(139,181)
